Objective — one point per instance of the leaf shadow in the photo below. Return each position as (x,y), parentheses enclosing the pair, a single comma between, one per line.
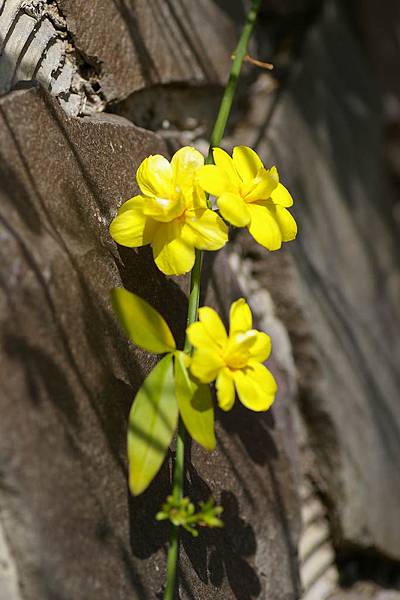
(218,554)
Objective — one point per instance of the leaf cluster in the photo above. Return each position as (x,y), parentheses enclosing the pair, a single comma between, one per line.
(182,513)
(168,390)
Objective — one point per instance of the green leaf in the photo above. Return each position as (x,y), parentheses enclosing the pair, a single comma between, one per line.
(152,422)
(143,324)
(195,404)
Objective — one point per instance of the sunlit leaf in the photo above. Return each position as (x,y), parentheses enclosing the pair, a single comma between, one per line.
(152,422)
(195,404)
(143,324)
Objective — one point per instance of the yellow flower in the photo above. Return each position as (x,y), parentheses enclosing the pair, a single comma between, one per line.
(248,195)
(235,361)
(171,214)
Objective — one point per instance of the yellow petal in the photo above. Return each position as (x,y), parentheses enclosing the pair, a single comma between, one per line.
(186,163)
(199,337)
(256,387)
(206,364)
(132,229)
(264,227)
(225,389)
(135,203)
(247,162)
(197,197)
(237,351)
(262,186)
(164,209)
(280,195)
(172,254)
(154,176)
(240,317)
(233,208)
(261,348)
(208,229)
(213,324)
(214,180)
(286,222)
(264,378)
(225,162)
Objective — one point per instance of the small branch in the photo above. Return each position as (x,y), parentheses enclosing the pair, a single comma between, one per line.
(258,63)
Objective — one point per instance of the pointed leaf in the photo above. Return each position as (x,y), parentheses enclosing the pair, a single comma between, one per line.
(195,404)
(152,422)
(143,324)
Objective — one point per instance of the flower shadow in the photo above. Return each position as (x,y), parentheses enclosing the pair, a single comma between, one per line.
(254,432)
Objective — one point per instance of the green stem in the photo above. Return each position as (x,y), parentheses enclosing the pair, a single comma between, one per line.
(194,297)
(177,492)
(177,488)
(229,93)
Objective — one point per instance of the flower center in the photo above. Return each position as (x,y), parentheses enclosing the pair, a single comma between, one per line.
(237,351)
(247,187)
(164,209)
(235,361)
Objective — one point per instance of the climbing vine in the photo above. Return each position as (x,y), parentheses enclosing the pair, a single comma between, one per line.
(174,215)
